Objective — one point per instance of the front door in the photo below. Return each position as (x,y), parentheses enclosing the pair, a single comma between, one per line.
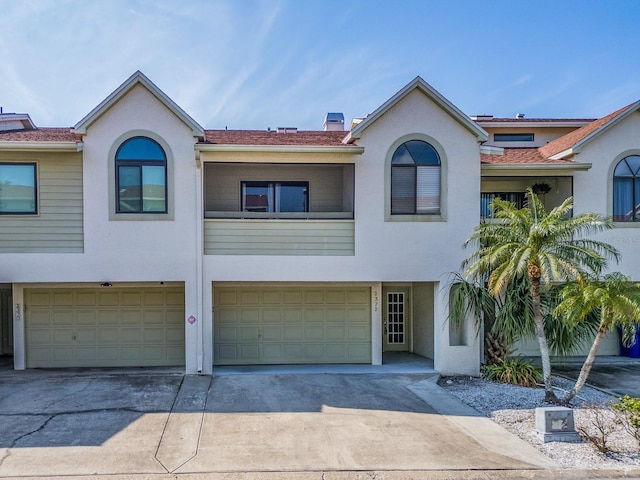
(396,321)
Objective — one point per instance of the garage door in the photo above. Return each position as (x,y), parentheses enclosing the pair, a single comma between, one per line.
(106,327)
(287,325)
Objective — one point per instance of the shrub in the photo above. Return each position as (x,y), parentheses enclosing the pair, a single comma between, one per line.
(628,409)
(513,370)
(598,427)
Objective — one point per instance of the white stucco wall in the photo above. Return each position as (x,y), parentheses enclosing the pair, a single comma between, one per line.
(593,191)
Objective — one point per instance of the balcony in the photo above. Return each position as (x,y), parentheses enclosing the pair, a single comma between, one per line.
(278,209)
(553,191)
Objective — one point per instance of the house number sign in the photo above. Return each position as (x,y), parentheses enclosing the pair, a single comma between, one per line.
(376,300)
(191,320)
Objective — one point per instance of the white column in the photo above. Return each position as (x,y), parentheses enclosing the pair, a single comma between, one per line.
(376,324)
(19,344)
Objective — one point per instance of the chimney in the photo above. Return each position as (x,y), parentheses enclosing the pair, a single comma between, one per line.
(333,122)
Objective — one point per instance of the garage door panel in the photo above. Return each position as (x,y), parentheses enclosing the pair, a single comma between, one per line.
(153,335)
(63,317)
(293,333)
(174,335)
(292,297)
(175,354)
(280,325)
(153,317)
(338,315)
(249,315)
(85,354)
(249,334)
(87,317)
(314,315)
(272,333)
(315,333)
(227,334)
(86,299)
(250,297)
(108,317)
(226,315)
(108,299)
(250,352)
(39,337)
(107,354)
(59,355)
(108,335)
(292,315)
(336,297)
(86,335)
(131,317)
(271,297)
(60,299)
(153,299)
(131,299)
(104,327)
(272,315)
(131,335)
(62,336)
(40,317)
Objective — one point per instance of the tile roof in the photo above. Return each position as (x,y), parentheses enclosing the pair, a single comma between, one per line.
(532,120)
(519,156)
(264,137)
(570,139)
(40,135)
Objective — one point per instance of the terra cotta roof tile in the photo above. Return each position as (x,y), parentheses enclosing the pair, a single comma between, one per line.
(40,135)
(570,139)
(530,156)
(272,137)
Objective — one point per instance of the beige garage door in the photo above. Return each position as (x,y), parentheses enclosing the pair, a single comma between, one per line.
(287,325)
(106,327)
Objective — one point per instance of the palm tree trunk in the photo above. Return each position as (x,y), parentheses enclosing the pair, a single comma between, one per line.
(549,395)
(588,362)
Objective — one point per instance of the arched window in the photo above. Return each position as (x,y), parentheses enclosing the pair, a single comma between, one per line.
(141,177)
(415,179)
(626,190)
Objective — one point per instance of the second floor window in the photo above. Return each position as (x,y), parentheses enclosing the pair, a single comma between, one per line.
(415,179)
(18,189)
(141,177)
(275,196)
(626,190)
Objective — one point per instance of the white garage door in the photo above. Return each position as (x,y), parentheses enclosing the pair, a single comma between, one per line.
(288,325)
(106,327)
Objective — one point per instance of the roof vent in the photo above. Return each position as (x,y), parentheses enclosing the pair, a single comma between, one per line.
(519,116)
(287,130)
(333,122)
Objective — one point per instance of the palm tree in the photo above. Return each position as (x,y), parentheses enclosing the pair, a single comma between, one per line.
(545,246)
(615,298)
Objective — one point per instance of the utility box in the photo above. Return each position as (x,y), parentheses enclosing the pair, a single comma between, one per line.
(555,424)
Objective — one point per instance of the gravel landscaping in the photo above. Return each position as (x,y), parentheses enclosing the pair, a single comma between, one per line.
(513,407)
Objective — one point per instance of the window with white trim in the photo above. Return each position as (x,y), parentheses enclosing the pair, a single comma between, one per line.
(415,179)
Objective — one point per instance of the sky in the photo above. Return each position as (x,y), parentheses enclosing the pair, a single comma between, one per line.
(253,64)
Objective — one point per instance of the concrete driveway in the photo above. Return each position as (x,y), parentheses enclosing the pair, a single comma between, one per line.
(65,423)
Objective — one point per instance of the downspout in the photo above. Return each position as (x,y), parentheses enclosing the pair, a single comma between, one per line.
(199,259)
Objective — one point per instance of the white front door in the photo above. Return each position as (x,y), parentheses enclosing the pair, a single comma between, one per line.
(396,319)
